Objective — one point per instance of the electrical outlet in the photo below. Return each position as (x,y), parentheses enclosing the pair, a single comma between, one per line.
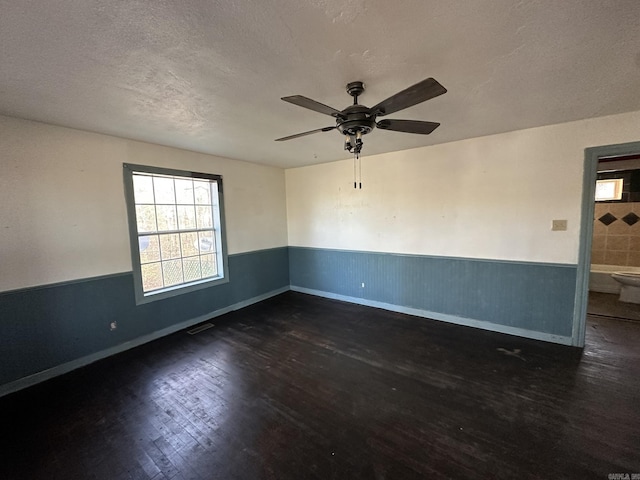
(558,225)
(113,325)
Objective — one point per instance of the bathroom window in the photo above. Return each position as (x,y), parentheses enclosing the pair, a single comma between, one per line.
(176,225)
(610,189)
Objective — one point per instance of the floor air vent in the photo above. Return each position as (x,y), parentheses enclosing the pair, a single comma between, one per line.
(200,328)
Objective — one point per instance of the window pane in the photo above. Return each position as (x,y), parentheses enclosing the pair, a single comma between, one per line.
(170,246)
(209,267)
(204,218)
(191,268)
(146,218)
(151,276)
(163,189)
(206,242)
(189,244)
(184,190)
(172,272)
(202,192)
(142,189)
(149,248)
(186,217)
(167,218)
(609,189)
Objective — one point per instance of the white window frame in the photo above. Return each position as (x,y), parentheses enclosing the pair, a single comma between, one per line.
(129,170)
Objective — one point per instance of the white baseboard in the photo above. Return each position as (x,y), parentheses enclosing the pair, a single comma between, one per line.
(469,322)
(83,361)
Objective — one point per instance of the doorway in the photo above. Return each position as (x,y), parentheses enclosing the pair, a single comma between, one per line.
(609,158)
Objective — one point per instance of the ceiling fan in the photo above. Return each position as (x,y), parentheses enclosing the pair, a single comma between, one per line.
(357,120)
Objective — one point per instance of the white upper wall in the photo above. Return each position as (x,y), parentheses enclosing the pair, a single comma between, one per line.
(63,216)
(491,197)
(62,206)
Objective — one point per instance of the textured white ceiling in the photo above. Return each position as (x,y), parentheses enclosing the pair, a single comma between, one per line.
(207,75)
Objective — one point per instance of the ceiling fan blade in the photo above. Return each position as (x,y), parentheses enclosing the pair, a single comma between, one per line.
(408,97)
(312,105)
(291,137)
(408,126)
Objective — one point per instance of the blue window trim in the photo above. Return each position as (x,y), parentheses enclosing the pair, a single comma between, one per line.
(141,297)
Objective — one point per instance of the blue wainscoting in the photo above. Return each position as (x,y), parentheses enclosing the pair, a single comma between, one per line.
(528,299)
(48,330)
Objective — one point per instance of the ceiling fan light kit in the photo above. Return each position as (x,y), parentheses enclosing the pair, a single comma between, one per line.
(357,120)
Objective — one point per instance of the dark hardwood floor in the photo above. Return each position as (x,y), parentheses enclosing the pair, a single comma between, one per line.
(301,387)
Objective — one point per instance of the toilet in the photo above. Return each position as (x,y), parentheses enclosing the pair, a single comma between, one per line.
(630,291)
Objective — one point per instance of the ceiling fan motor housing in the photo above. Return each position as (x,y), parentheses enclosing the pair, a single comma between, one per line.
(356,118)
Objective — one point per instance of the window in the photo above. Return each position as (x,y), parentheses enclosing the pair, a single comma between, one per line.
(176,224)
(610,189)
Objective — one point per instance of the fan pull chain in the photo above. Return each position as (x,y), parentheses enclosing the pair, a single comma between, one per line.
(354,170)
(357,167)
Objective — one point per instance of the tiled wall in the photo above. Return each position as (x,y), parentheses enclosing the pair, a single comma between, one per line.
(616,234)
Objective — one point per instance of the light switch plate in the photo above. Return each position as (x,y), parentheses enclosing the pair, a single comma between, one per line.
(558,225)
